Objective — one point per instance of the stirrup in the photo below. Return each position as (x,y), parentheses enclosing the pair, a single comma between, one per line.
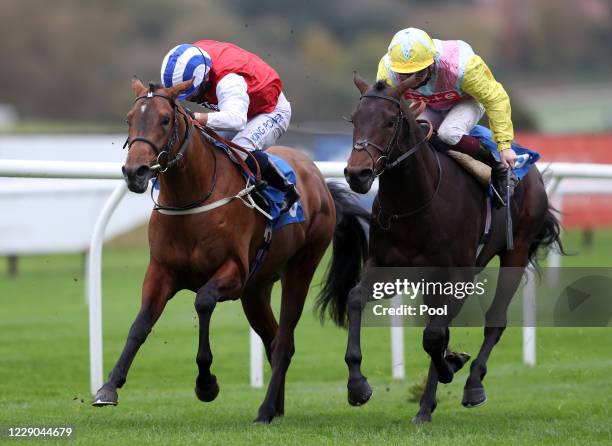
(261,185)
(291,197)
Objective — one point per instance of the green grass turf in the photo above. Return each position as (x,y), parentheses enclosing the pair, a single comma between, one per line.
(44,376)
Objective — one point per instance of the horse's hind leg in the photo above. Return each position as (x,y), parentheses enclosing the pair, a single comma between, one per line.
(295,281)
(225,281)
(256,306)
(512,266)
(156,291)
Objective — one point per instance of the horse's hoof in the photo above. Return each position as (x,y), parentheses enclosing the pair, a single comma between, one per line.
(263,419)
(265,416)
(105,397)
(209,392)
(457,360)
(474,397)
(421,418)
(359,391)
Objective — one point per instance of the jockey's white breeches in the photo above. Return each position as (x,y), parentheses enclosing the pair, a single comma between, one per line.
(263,130)
(455,122)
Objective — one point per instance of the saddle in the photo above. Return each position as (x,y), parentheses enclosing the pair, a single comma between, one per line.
(475,168)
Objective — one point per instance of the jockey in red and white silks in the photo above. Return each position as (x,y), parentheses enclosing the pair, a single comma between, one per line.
(245,92)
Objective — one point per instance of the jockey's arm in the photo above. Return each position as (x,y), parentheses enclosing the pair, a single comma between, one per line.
(233,101)
(478,82)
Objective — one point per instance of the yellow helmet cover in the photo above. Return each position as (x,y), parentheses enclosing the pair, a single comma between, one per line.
(411,50)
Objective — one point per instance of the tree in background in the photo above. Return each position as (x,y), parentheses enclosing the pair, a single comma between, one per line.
(73,60)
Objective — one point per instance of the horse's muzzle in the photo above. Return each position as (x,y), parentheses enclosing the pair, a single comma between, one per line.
(137,178)
(359,178)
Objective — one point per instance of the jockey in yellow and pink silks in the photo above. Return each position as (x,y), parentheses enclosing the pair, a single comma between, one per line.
(458,88)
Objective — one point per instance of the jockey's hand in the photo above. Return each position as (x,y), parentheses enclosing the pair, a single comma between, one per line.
(202,118)
(508,158)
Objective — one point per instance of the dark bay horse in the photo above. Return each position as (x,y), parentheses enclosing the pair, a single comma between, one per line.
(211,252)
(430,213)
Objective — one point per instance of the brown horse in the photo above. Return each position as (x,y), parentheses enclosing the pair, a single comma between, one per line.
(430,213)
(211,253)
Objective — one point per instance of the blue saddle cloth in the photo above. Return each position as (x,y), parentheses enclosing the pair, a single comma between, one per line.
(275,197)
(525,157)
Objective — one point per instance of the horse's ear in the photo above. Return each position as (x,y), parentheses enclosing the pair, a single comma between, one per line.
(137,87)
(360,83)
(179,88)
(406,84)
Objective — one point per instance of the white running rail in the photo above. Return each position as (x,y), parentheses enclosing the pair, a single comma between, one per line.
(106,170)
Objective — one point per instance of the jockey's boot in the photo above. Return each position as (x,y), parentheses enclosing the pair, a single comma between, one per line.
(503,183)
(277,179)
(262,161)
(503,180)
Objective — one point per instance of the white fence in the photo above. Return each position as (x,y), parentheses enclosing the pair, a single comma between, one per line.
(105,170)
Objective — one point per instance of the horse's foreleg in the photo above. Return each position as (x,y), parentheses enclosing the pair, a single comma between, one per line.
(359,391)
(157,289)
(206,387)
(428,401)
(225,281)
(436,337)
(512,267)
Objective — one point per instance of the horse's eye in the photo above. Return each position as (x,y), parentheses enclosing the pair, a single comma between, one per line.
(391,124)
(165,120)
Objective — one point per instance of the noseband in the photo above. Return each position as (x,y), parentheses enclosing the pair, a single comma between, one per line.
(393,142)
(163,153)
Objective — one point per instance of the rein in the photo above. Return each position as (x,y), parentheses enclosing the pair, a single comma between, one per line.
(385,154)
(163,163)
(414,211)
(393,142)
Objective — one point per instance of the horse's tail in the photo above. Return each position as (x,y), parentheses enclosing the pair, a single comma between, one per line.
(350,248)
(549,236)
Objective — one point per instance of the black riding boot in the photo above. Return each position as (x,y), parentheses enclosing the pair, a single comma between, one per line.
(503,183)
(277,179)
(274,177)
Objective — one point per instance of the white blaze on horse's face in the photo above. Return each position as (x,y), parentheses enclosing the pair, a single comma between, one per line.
(150,127)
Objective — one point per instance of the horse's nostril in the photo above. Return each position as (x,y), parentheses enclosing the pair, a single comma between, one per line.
(366,174)
(358,173)
(142,170)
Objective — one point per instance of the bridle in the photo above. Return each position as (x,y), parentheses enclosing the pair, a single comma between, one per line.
(386,153)
(393,141)
(163,153)
(163,163)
